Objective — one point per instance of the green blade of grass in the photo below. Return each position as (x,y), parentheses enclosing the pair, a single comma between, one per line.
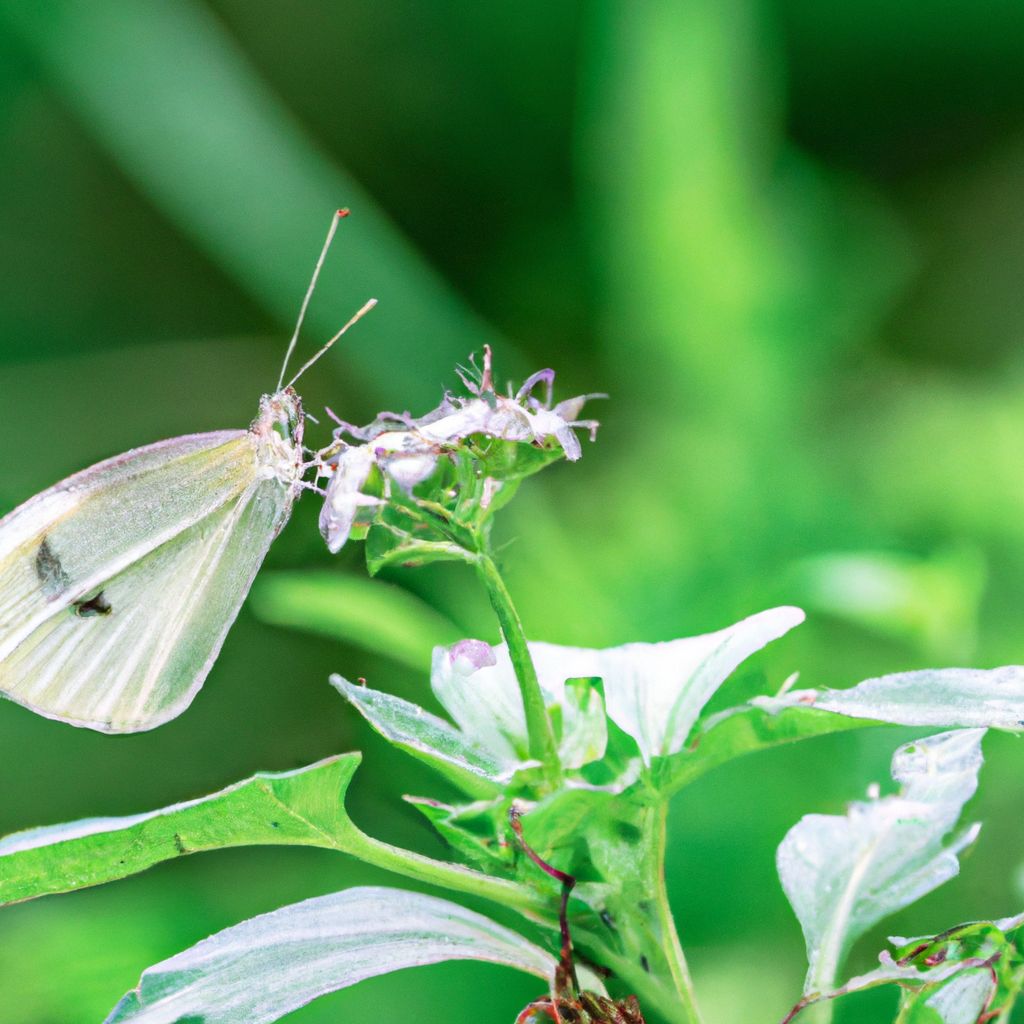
(164,89)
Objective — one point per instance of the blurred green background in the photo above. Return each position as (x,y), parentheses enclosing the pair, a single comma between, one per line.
(787,237)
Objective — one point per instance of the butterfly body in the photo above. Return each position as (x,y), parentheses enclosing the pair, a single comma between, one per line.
(118,584)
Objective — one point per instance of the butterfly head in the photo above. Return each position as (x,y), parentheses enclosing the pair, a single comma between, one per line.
(278,434)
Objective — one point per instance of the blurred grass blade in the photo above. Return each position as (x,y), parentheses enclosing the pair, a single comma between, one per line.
(166,91)
(679,114)
(304,807)
(264,968)
(370,614)
(933,603)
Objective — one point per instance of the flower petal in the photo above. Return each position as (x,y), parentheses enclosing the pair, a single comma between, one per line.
(344,497)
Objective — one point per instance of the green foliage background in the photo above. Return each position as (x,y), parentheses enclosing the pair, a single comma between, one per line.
(787,237)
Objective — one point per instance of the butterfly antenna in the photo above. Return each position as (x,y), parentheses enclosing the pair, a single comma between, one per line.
(335,221)
(355,319)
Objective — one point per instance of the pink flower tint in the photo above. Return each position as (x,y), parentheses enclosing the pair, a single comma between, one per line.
(469,655)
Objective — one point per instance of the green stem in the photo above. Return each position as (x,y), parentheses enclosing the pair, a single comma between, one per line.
(448,876)
(641,946)
(682,983)
(819,1013)
(538,724)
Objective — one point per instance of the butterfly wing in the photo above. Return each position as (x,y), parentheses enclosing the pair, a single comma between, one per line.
(118,585)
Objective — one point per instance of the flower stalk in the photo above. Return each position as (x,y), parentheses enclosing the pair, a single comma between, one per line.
(542,745)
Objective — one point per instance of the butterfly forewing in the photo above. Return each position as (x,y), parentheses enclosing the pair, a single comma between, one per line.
(118,585)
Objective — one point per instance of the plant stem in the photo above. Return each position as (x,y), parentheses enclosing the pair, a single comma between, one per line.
(640,945)
(671,947)
(819,1013)
(542,745)
(448,876)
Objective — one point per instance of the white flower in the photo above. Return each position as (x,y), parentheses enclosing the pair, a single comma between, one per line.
(407,449)
(344,496)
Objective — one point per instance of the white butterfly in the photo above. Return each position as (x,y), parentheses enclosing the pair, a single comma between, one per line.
(119,584)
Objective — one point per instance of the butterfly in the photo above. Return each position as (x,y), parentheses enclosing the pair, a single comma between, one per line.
(119,584)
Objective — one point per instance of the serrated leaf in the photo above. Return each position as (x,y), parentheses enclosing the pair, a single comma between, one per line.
(984,698)
(373,615)
(844,874)
(264,968)
(470,766)
(304,807)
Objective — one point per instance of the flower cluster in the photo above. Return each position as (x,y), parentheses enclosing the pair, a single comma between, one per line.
(405,451)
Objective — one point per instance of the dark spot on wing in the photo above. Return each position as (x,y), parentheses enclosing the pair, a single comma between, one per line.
(97,605)
(645,964)
(179,845)
(50,572)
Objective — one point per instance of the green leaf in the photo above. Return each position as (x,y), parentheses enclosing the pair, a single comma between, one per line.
(844,874)
(373,615)
(592,834)
(264,968)
(960,1000)
(469,829)
(940,976)
(744,730)
(948,697)
(304,807)
(385,548)
(472,767)
(513,460)
(916,980)
(582,728)
(654,693)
